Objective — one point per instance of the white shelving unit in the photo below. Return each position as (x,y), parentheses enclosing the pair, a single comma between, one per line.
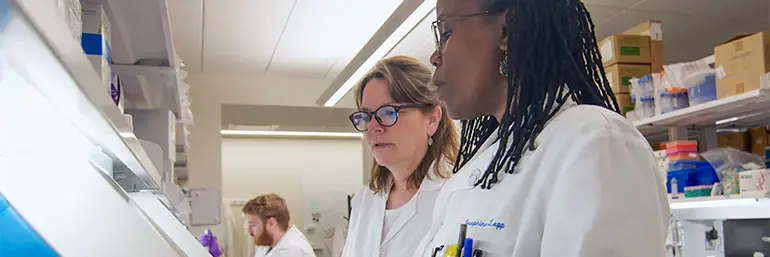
(71,116)
(144,55)
(739,111)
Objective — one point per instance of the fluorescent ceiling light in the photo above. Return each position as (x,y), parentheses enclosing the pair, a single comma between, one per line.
(423,10)
(730,120)
(289,133)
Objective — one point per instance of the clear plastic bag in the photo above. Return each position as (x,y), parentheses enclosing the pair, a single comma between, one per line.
(728,162)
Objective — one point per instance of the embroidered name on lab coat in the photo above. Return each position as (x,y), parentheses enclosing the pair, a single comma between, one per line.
(485,224)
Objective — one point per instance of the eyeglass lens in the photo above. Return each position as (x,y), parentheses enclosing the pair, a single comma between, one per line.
(386,116)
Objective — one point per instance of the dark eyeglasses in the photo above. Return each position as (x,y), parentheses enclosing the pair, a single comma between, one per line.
(386,115)
(440,31)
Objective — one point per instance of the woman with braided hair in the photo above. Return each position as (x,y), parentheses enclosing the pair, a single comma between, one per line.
(547,167)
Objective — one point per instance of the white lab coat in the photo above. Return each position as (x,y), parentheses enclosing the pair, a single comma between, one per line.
(365,237)
(590,189)
(292,244)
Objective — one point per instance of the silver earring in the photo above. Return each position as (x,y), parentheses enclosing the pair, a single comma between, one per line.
(430,141)
(503,68)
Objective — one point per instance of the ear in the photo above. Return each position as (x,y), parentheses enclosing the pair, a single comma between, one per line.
(434,118)
(272,222)
(502,23)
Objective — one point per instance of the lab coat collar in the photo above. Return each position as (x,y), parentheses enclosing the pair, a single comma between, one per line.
(409,210)
(286,239)
(429,183)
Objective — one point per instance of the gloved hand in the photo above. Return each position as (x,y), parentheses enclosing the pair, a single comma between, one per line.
(210,241)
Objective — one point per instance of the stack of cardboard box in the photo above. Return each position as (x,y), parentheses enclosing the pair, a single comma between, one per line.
(636,53)
(740,62)
(753,140)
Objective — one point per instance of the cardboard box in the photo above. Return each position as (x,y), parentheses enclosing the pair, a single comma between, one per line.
(653,29)
(754,180)
(758,137)
(627,49)
(739,63)
(620,76)
(95,41)
(736,140)
(657,56)
(624,103)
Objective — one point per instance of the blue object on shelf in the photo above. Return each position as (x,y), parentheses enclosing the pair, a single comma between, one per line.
(690,173)
(17,238)
(703,92)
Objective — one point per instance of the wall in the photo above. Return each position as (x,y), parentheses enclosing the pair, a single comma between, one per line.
(208,92)
(312,175)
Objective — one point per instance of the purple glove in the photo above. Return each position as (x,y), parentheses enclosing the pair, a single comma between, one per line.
(209,241)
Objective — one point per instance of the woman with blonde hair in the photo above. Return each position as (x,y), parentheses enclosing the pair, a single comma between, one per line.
(413,142)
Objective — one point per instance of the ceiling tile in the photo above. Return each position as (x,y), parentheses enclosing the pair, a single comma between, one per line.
(755,10)
(187,30)
(628,18)
(240,35)
(674,6)
(414,42)
(600,14)
(321,33)
(612,3)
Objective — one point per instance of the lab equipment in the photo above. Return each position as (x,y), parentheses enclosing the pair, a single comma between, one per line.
(18,238)
(701,87)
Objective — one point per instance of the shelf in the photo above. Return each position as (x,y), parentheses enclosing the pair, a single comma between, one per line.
(73,86)
(743,206)
(722,112)
(143,53)
(141,32)
(150,87)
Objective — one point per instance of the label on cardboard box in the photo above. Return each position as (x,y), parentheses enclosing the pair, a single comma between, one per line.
(754,180)
(626,49)
(620,75)
(606,51)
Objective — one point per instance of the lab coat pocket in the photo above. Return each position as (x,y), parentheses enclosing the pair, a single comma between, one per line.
(490,235)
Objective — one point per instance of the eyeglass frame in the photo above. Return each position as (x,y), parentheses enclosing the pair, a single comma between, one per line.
(437,23)
(371,114)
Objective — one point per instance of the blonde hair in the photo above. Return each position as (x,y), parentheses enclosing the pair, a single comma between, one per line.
(269,206)
(409,81)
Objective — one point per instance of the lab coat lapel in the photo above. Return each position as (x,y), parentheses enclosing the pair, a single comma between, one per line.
(411,209)
(407,214)
(378,219)
(460,182)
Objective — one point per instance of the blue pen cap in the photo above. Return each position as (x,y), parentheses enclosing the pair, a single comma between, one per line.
(468,247)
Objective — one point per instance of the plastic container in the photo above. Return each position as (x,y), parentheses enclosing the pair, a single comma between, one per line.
(683,157)
(695,173)
(643,95)
(701,87)
(679,98)
(697,191)
(681,144)
(678,178)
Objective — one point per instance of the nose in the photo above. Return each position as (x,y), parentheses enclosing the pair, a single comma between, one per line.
(374,126)
(435,59)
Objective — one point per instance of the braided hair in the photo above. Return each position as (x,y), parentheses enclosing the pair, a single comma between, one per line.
(552,56)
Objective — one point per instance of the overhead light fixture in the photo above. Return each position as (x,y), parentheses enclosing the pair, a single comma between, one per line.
(423,10)
(290,133)
(725,121)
